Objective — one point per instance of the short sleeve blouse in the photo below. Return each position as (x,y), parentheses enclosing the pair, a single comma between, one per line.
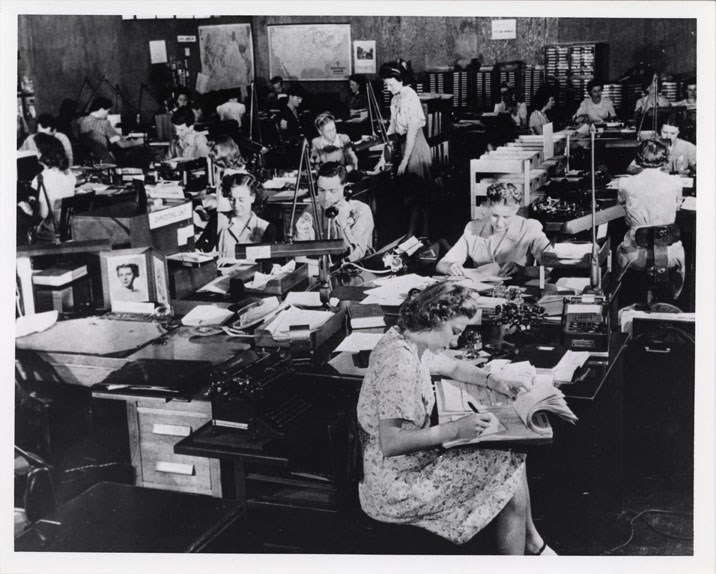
(406,109)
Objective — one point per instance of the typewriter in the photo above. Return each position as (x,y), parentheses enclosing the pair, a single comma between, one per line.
(255,391)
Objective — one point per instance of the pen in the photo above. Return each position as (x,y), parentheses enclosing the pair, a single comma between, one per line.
(472,407)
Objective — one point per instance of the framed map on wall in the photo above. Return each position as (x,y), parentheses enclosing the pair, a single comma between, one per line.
(227,56)
(310,52)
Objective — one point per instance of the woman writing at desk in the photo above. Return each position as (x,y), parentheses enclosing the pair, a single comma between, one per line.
(502,237)
(407,477)
(331,146)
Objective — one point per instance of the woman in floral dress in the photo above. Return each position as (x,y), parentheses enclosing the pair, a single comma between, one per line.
(408,477)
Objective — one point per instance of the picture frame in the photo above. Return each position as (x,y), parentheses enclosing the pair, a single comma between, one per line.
(134,280)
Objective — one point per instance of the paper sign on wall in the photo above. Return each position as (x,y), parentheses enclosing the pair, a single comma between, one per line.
(504,29)
(364,56)
(183,39)
(158,51)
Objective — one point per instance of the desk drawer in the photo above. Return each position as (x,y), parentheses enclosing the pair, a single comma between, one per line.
(168,427)
(160,466)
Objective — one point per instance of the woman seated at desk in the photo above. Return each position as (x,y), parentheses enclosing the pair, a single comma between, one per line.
(502,237)
(509,105)
(543,101)
(241,224)
(332,146)
(226,157)
(57,183)
(690,100)
(288,120)
(681,158)
(340,216)
(407,477)
(652,97)
(595,108)
(651,197)
(357,99)
(182,99)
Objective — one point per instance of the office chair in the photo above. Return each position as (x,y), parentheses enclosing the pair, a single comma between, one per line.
(664,284)
(71,205)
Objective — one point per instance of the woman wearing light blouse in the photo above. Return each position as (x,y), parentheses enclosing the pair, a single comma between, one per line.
(407,120)
(330,146)
(543,102)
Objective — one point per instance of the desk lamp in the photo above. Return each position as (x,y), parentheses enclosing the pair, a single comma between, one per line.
(376,117)
(595,275)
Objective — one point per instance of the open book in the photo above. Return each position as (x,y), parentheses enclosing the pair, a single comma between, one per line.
(522,421)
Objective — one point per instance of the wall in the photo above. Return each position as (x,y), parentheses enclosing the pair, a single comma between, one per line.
(59,51)
(427,42)
(669,45)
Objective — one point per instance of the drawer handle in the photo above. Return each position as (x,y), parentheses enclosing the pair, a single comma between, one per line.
(175,468)
(171,430)
(660,351)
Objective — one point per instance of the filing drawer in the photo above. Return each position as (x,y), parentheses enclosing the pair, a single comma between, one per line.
(155,427)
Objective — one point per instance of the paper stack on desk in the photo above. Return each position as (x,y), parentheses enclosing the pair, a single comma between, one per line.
(284,325)
(357,342)
(203,315)
(261,279)
(392,291)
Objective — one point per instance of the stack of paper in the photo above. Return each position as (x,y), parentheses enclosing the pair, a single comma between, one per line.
(570,251)
(357,342)
(261,279)
(568,364)
(308,299)
(293,317)
(392,291)
(575,284)
(203,315)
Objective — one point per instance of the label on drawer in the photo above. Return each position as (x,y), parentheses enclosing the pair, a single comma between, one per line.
(171,430)
(174,468)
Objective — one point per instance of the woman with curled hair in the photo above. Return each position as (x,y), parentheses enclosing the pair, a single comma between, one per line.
(408,478)
(542,102)
(226,156)
(241,224)
(502,237)
(407,120)
(330,146)
(56,178)
(651,197)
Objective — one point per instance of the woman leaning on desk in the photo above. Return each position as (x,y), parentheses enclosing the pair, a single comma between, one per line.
(407,120)
(407,477)
(502,237)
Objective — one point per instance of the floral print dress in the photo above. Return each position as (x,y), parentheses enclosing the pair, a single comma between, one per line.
(453,493)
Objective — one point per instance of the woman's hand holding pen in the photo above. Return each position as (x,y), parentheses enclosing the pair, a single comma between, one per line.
(511,268)
(469,427)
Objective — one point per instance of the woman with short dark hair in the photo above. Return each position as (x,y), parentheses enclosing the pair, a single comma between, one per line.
(542,102)
(330,146)
(595,108)
(407,477)
(57,180)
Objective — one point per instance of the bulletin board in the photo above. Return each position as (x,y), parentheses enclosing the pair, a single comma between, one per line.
(310,52)
(227,56)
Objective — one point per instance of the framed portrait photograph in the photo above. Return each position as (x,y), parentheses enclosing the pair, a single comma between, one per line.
(131,277)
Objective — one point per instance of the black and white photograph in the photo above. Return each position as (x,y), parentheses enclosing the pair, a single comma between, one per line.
(494,351)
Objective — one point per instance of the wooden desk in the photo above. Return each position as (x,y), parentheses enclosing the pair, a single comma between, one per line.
(111,517)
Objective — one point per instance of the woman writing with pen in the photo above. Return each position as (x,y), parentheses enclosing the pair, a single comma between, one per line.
(407,477)
(502,237)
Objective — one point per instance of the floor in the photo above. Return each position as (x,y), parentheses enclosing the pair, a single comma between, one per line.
(665,529)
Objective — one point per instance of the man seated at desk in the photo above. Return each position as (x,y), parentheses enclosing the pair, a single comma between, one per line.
(97,132)
(188,144)
(340,216)
(681,154)
(502,237)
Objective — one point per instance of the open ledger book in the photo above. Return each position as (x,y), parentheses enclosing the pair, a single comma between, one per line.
(523,420)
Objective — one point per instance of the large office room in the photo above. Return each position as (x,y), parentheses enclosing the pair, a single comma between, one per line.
(359,285)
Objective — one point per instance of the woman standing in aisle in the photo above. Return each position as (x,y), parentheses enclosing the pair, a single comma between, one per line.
(407,120)
(408,478)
